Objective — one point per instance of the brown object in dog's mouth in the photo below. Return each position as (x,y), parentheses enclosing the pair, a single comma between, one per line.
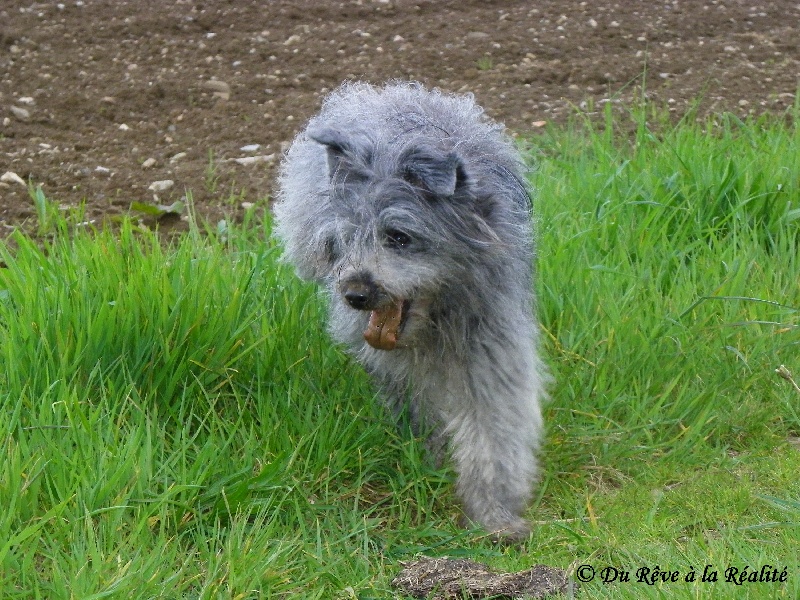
(384,326)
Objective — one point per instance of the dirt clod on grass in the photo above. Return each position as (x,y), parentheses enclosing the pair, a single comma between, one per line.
(449,579)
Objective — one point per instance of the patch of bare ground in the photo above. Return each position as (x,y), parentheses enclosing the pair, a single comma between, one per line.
(104,102)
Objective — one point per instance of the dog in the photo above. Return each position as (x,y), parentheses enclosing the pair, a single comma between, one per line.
(412,209)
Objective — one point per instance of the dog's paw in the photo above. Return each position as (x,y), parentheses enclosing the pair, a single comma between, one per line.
(512,534)
(511,531)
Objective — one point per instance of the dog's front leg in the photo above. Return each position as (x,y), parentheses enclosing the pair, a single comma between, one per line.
(495,427)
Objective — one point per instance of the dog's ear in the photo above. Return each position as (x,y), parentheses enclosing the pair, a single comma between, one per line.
(335,142)
(441,173)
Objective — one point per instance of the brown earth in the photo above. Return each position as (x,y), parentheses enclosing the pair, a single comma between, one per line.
(101,98)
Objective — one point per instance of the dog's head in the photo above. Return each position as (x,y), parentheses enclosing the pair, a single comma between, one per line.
(403,220)
(404,216)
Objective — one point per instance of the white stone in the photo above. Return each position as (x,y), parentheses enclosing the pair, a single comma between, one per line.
(20,113)
(219,89)
(249,160)
(11,177)
(161,186)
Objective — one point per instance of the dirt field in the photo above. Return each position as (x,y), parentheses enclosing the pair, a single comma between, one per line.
(99,99)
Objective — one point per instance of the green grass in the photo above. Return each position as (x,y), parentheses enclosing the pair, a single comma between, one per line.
(174,422)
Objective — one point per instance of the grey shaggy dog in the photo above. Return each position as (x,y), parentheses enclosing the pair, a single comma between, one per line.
(412,209)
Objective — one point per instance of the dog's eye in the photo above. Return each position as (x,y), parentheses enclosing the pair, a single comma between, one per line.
(331,250)
(397,239)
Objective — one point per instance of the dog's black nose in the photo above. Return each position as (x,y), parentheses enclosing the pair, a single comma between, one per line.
(360,291)
(358,297)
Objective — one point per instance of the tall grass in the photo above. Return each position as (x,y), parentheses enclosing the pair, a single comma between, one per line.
(175,423)
(669,288)
(683,253)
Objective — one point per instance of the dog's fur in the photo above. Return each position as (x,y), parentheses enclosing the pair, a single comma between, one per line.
(412,204)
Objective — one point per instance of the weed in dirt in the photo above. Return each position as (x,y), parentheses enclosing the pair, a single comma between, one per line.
(211,178)
(485,63)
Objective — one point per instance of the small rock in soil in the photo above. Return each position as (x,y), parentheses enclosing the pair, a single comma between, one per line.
(219,89)
(161,186)
(20,113)
(249,160)
(11,177)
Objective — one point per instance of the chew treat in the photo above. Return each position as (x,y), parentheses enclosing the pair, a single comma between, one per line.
(384,323)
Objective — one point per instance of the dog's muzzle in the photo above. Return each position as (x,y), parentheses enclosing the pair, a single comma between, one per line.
(387,315)
(360,295)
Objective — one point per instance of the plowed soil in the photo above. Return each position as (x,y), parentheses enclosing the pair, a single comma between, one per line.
(100,99)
